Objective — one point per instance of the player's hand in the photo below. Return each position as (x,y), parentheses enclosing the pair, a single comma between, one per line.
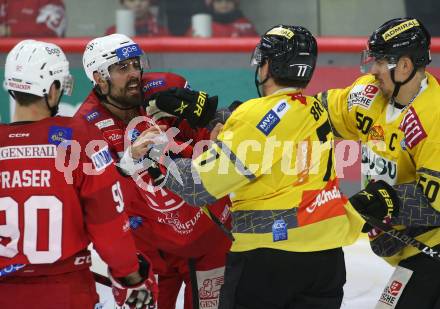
(378,200)
(138,290)
(152,135)
(214,132)
(194,106)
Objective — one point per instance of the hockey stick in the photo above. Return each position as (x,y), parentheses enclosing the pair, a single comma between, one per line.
(408,240)
(10,269)
(217,222)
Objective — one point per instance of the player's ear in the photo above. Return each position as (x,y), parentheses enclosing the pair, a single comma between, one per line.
(54,93)
(406,64)
(101,82)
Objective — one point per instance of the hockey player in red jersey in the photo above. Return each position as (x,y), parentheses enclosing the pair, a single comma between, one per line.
(36,18)
(182,242)
(59,193)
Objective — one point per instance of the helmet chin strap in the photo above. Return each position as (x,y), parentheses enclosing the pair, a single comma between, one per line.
(258,83)
(53,109)
(397,85)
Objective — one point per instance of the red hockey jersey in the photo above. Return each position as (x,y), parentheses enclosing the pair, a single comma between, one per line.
(169,223)
(56,199)
(32,18)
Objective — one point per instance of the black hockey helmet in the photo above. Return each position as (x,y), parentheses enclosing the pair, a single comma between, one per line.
(291,52)
(396,38)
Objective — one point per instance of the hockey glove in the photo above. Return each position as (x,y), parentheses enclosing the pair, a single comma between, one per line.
(378,200)
(194,106)
(141,295)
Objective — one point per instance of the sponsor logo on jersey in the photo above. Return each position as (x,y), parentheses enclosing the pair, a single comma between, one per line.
(101,159)
(135,222)
(362,95)
(412,127)
(376,167)
(92,116)
(133,134)
(273,117)
(323,198)
(10,269)
(28,152)
(319,205)
(114,136)
(376,133)
(57,134)
(105,123)
(17,135)
(154,84)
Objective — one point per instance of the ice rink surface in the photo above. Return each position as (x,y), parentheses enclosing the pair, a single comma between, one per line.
(366,277)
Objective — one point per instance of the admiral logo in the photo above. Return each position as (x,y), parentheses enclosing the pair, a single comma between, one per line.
(57,134)
(319,205)
(15,135)
(28,152)
(105,123)
(101,159)
(154,84)
(396,30)
(92,115)
(323,198)
(268,123)
(412,128)
(19,86)
(288,34)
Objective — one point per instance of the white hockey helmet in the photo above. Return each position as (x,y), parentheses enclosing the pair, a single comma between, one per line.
(102,52)
(32,67)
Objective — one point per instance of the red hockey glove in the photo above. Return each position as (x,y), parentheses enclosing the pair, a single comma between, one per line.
(141,295)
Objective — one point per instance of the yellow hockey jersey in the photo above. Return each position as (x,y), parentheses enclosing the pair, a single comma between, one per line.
(274,158)
(399,145)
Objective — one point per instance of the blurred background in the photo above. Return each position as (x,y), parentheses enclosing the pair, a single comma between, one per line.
(208,41)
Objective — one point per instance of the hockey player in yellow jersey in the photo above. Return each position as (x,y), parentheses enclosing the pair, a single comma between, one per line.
(273,156)
(394,111)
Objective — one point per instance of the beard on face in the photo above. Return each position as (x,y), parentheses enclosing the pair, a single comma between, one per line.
(122,96)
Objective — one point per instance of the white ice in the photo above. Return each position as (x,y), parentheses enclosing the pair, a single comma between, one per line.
(366,277)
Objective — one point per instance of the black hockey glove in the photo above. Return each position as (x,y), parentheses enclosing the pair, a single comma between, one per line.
(233,106)
(194,106)
(377,200)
